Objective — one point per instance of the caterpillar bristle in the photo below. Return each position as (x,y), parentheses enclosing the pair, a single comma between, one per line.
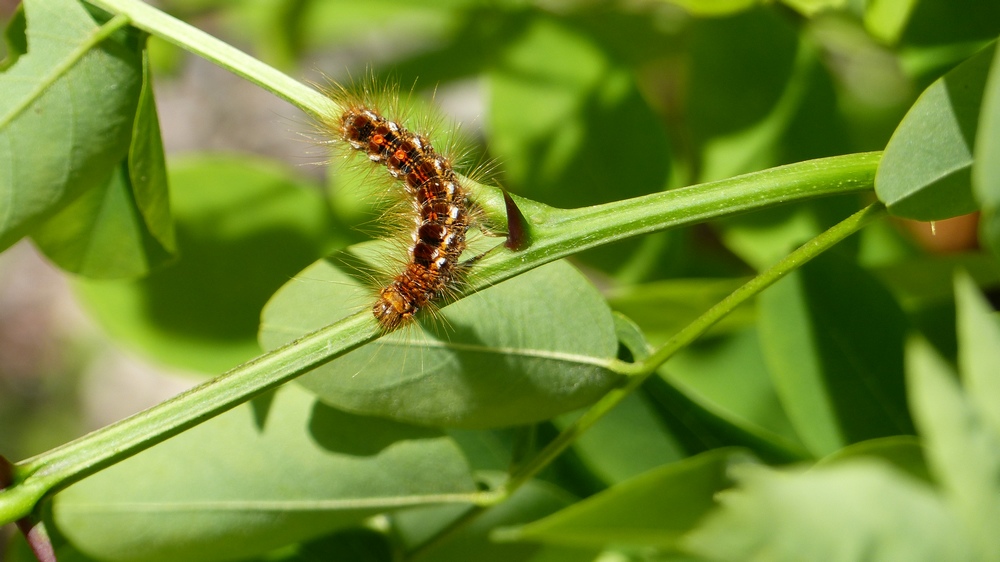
(437,211)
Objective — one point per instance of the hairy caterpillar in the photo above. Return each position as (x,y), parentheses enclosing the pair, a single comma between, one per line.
(441,210)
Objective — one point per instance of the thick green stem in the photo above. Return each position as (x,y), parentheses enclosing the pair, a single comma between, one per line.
(555,233)
(62,466)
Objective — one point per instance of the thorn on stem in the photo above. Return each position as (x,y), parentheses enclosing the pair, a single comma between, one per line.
(6,473)
(518,237)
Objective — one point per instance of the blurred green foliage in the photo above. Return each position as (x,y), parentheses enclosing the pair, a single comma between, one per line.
(848,414)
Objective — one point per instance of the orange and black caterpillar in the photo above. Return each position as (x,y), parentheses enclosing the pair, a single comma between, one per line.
(441,206)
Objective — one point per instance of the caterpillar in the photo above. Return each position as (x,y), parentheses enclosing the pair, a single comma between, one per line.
(441,211)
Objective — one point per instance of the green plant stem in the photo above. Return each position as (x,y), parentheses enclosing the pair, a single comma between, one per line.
(640,371)
(555,234)
(49,472)
(155,22)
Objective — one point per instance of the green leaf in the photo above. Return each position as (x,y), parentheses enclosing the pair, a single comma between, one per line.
(986,167)
(147,166)
(244,227)
(849,512)
(926,168)
(654,509)
(628,440)
(833,338)
(519,352)
(903,452)
(729,377)
(122,229)
(101,234)
(558,118)
(932,22)
(746,84)
(963,448)
(560,105)
(811,8)
(533,500)
(350,545)
(887,19)
(63,131)
(245,483)
(662,308)
(714,8)
(979,354)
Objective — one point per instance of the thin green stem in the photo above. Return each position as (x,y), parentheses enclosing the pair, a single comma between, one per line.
(641,370)
(155,22)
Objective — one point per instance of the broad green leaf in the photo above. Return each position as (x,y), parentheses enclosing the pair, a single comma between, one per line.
(710,8)
(101,234)
(700,426)
(986,167)
(887,19)
(924,286)
(903,452)
(979,357)
(560,108)
(532,501)
(556,120)
(810,8)
(62,129)
(923,279)
(122,229)
(662,308)
(926,168)
(832,337)
(628,440)
(747,80)
(962,445)
(654,509)
(933,22)
(244,227)
(849,512)
(351,545)
(243,484)
(631,438)
(519,352)
(729,377)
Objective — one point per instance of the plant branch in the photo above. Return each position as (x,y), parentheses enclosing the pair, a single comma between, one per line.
(641,370)
(555,233)
(190,38)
